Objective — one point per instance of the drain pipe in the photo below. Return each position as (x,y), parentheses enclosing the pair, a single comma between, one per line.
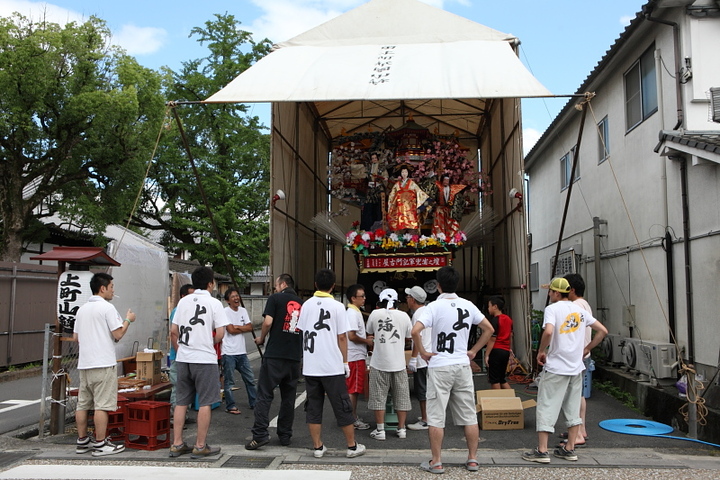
(688,258)
(670,272)
(598,271)
(647,10)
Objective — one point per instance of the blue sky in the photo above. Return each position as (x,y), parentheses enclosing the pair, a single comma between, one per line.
(562,40)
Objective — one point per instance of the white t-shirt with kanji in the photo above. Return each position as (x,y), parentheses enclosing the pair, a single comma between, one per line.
(425,336)
(197,316)
(94,323)
(450,318)
(234,344)
(391,328)
(565,356)
(356,323)
(322,319)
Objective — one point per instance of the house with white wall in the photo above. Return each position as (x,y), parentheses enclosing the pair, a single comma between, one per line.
(643,221)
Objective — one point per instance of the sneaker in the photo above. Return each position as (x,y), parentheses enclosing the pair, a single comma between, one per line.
(561,452)
(255,444)
(401,433)
(420,425)
(360,425)
(206,451)
(177,450)
(106,448)
(378,434)
(359,450)
(319,452)
(84,445)
(536,456)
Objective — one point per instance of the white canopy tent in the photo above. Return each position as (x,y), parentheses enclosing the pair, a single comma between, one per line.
(368,70)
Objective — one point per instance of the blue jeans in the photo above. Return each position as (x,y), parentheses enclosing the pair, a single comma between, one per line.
(242,365)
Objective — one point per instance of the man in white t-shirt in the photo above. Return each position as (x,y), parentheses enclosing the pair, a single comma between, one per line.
(577,291)
(449,373)
(97,326)
(234,352)
(561,351)
(416,297)
(357,349)
(198,315)
(389,328)
(324,326)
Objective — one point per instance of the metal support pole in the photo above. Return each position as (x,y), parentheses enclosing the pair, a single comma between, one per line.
(43,390)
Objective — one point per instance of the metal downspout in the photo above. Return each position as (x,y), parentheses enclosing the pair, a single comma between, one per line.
(688,260)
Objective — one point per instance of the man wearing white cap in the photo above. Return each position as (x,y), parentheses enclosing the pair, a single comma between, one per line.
(416,297)
(389,327)
(561,353)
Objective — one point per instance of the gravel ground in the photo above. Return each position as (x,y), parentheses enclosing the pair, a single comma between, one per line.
(500,473)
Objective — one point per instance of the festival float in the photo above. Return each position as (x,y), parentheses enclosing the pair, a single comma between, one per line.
(414,189)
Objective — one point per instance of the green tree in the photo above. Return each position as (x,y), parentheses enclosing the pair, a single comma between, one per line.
(231,151)
(77,122)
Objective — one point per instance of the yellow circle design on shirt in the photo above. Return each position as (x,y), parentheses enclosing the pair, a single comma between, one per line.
(572,323)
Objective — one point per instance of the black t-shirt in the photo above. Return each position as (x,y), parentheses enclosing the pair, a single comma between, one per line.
(285,339)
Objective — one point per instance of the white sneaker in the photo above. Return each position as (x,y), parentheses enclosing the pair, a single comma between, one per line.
(420,425)
(107,448)
(401,433)
(359,450)
(378,434)
(318,453)
(360,425)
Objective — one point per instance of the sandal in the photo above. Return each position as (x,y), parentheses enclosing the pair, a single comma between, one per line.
(577,445)
(472,465)
(432,467)
(565,435)
(233,411)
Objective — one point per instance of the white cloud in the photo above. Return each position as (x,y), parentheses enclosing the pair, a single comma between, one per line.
(140,40)
(530,138)
(39,11)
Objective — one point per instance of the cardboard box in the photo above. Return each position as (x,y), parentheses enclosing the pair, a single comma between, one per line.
(501,410)
(148,366)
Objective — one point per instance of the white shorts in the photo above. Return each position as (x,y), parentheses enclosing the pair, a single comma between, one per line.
(451,385)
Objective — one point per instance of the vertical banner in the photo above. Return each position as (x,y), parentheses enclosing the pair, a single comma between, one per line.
(73,292)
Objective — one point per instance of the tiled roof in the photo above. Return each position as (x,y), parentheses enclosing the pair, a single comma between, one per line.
(708,141)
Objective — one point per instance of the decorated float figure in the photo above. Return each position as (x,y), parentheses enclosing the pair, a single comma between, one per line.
(372,208)
(403,202)
(448,209)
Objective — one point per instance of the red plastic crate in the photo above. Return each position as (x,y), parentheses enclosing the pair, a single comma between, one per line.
(147,418)
(144,442)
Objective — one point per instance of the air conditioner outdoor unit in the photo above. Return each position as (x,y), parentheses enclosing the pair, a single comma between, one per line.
(714,95)
(611,348)
(654,359)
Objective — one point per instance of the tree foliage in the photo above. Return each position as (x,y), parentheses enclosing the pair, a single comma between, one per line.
(77,122)
(231,152)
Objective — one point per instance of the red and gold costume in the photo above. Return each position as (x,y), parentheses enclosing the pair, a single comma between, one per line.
(403,202)
(443,221)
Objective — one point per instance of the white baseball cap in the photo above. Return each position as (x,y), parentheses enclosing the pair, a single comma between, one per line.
(418,293)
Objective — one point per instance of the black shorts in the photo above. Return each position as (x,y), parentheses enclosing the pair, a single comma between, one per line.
(336,390)
(420,383)
(498,363)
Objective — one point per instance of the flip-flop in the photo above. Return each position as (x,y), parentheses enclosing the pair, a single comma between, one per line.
(233,411)
(577,445)
(470,467)
(432,467)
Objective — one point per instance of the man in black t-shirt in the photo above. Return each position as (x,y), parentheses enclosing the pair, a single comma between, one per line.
(281,363)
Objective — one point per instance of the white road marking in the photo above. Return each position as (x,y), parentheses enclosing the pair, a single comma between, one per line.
(300,399)
(19,404)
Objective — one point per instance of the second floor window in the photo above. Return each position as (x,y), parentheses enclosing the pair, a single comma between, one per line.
(603,140)
(566,163)
(641,89)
